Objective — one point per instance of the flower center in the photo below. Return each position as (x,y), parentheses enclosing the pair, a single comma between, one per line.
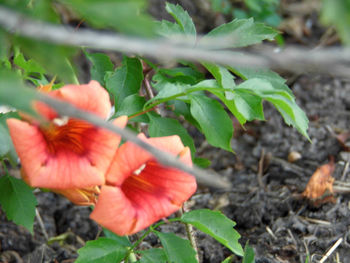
(66,134)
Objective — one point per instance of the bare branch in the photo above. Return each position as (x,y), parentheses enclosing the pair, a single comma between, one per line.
(65,109)
(298,60)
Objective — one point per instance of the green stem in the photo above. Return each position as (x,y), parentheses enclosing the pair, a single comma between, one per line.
(184,93)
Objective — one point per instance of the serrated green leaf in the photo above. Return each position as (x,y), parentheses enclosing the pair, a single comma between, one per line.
(266,74)
(249,256)
(168,29)
(183,19)
(291,113)
(337,13)
(177,249)
(28,66)
(131,105)
(160,126)
(18,201)
(101,63)
(153,255)
(221,74)
(245,106)
(102,250)
(122,240)
(249,73)
(238,33)
(213,120)
(127,16)
(217,225)
(264,88)
(126,80)
(280,97)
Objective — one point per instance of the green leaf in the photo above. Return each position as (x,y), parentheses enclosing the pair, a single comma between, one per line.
(177,249)
(28,66)
(229,259)
(54,59)
(221,74)
(127,16)
(276,80)
(217,225)
(249,73)
(4,45)
(169,91)
(5,141)
(160,126)
(280,97)
(38,9)
(213,120)
(7,149)
(291,113)
(245,106)
(122,240)
(153,255)
(101,63)
(102,250)
(185,75)
(131,105)
(337,14)
(183,108)
(168,29)
(238,33)
(18,201)
(126,80)
(14,94)
(249,256)
(202,162)
(183,19)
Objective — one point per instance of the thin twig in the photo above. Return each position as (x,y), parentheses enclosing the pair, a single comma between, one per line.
(298,60)
(331,250)
(41,224)
(65,109)
(261,170)
(190,232)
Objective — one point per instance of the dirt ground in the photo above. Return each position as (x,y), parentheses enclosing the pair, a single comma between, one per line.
(265,200)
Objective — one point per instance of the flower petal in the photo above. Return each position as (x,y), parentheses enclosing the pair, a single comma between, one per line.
(130,157)
(91,97)
(143,200)
(64,168)
(114,211)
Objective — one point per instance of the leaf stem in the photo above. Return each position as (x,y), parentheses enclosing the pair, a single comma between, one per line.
(184,93)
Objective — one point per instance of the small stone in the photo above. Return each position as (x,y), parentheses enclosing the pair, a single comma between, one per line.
(294,156)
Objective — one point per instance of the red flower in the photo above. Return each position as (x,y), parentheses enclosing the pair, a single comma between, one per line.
(139,191)
(66,153)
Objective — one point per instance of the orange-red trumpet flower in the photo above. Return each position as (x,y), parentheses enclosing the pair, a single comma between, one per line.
(139,191)
(66,153)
